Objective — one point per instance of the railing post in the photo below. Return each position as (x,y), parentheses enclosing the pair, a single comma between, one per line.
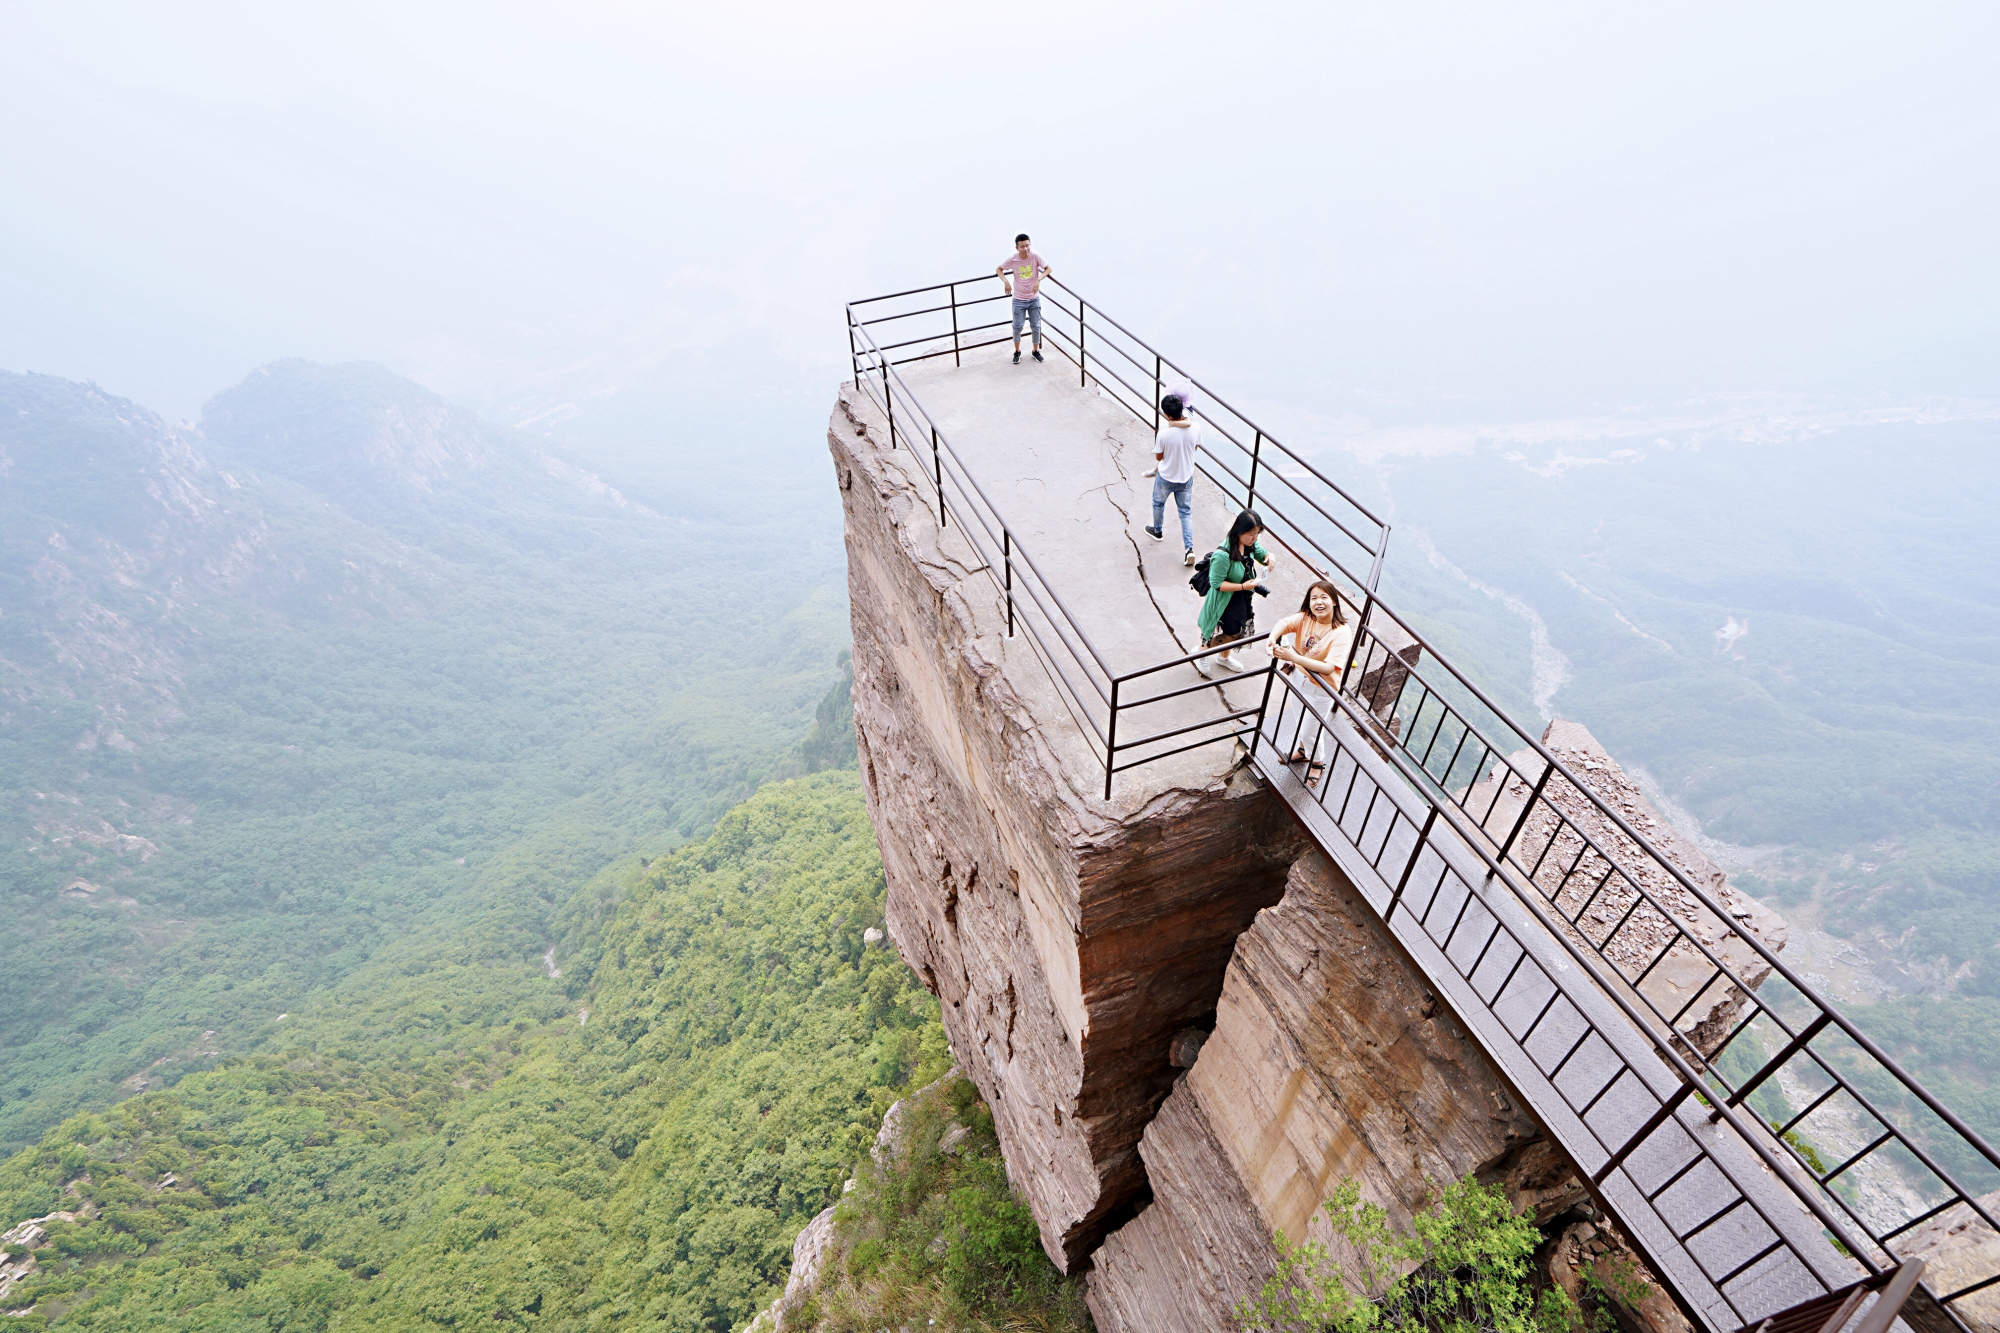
(1256,448)
(1264,706)
(1083,382)
(1357,652)
(889,401)
(954,326)
(1156,393)
(1007,562)
(1111,739)
(1375,568)
(1409,867)
(937,466)
(853,351)
(1521,821)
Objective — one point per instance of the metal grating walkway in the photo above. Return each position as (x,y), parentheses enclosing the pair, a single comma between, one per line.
(1699,1081)
(1700,1198)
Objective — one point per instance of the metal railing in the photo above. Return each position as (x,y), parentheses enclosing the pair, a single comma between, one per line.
(1306,513)
(1865,1143)
(1700,1084)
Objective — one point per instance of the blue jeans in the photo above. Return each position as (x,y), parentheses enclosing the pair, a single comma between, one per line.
(1183,492)
(1030,310)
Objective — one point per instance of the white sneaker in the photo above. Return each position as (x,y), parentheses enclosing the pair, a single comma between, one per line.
(1204,665)
(1228,663)
(1188,559)
(1150,472)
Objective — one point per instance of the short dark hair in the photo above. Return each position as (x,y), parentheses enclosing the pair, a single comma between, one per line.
(1173,406)
(1022,237)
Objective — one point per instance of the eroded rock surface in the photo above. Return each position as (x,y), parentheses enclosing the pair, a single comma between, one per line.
(1608,910)
(1068,936)
(1329,1061)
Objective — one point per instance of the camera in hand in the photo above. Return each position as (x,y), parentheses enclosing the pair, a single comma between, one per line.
(1261,590)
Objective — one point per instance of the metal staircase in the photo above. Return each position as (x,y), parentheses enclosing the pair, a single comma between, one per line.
(1697,1082)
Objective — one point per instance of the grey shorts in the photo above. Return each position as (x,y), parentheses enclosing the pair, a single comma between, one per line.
(1031,311)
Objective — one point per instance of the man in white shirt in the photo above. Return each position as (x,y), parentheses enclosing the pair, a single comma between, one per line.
(1173,453)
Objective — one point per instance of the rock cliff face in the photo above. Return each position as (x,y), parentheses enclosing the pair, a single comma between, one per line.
(1188,1024)
(1068,937)
(1329,1061)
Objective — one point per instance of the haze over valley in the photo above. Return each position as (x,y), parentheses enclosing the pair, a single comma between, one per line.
(430,825)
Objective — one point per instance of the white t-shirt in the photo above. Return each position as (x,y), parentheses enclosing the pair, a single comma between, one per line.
(1178,444)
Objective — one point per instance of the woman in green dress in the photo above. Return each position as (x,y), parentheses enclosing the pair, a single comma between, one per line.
(1227,614)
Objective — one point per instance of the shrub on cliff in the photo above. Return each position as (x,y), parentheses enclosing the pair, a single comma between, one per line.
(933,1236)
(1466,1269)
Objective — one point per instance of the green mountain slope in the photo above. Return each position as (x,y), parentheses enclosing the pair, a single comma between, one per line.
(462,1147)
(345,677)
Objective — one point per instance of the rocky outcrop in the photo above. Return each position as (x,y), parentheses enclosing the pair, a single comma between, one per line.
(1591,1261)
(1329,1061)
(1685,975)
(1069,937)
(1189,1026)
(19,1243)
(1958,1250)
(811,1246)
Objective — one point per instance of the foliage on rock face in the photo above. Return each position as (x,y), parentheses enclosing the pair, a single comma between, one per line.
(469,1150)
(1465,1269)
(934,1236)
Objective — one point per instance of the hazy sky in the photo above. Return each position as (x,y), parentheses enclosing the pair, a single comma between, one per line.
(1547,207)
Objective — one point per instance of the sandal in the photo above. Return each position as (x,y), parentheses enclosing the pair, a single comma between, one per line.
(1314,772)
(1298,755)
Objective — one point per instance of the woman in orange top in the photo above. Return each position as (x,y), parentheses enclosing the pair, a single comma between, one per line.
(1322,639)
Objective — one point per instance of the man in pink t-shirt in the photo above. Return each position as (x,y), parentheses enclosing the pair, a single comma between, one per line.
(1022,273)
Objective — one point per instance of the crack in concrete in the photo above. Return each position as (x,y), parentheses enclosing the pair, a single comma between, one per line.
(1139,559)
(1138,556)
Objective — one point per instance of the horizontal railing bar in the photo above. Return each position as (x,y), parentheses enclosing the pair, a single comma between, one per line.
(1238,734)
(950,351)
(1211,394)
(1236,716)
(1184,660)
(910,314)
(935,287)
(1245,484)
(1209,683)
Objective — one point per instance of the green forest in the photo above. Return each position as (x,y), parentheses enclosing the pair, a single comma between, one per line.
(426,913)
(469,1145)
(283,702)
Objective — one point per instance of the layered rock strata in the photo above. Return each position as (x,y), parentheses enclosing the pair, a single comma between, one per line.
(1068,937)
(1087,949)
(1329,1061)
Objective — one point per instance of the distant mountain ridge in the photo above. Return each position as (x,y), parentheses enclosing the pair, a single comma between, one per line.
(281,690)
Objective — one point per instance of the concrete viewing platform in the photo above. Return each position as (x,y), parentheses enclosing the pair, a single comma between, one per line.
(1064,465)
